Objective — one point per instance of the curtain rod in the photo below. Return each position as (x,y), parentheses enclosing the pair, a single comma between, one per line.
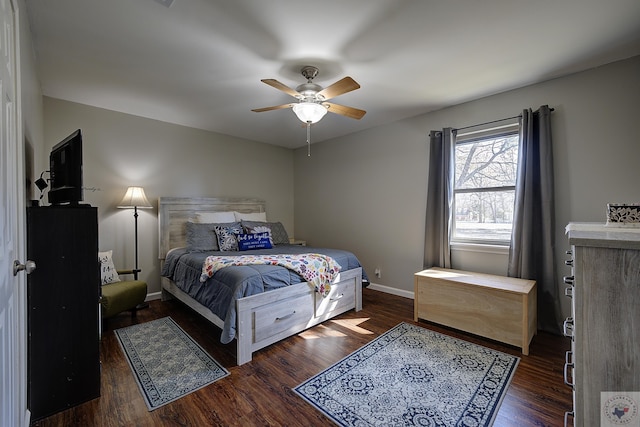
(496,121)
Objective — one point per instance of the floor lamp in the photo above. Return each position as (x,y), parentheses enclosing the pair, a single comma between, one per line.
(135,198)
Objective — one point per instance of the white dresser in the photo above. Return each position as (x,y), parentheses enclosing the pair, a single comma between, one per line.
(604,326)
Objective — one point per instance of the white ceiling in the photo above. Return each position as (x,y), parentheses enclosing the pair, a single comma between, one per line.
(199,63)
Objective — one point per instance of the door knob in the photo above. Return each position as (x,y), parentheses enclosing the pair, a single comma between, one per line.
(28,266)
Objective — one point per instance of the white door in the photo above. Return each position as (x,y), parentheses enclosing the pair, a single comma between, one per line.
(13,351)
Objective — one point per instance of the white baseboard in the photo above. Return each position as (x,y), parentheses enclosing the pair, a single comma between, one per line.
(153,296)
(390,290)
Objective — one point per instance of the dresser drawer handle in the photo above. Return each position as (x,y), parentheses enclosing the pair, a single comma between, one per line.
(566,374)
(568,291)
(286,316)
(567,327)
(336,298)
(566,418)
(568,280)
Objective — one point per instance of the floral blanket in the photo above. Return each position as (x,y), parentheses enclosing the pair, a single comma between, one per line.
(317,269)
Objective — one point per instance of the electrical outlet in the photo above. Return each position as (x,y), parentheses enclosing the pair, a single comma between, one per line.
(378,273)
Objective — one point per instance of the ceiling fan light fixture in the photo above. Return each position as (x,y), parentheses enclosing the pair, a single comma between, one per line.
(309,112)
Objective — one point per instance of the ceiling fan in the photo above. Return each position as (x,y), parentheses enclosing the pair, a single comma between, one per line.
(312,99)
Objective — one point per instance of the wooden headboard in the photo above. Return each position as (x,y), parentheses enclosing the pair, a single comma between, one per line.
(174,212)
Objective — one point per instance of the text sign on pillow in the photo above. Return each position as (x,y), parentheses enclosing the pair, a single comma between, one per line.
(254,241)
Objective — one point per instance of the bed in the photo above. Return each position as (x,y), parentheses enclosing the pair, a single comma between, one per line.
(256,305)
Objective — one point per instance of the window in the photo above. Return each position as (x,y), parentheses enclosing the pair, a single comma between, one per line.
(485,181)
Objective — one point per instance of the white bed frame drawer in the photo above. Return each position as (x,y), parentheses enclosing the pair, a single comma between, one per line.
(287,316)
(299,296)
(341,298)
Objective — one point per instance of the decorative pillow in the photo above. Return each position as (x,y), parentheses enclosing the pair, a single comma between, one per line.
(227,237)
(215,217)
(254,216)
(259,229)
(203,237)
(279,235)
(200,237)
(108,273)
(254,241)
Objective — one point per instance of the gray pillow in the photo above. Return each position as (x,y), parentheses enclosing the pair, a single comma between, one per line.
(278,233)
(202,237)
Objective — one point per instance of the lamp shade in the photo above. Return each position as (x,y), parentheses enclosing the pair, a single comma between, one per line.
(135,198)
(309,111)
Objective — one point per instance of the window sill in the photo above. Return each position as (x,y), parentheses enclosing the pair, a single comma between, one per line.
(478,247)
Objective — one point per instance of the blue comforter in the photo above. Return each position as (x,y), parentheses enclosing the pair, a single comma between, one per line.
(220,292)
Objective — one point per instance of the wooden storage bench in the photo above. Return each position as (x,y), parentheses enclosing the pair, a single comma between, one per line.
(495,307)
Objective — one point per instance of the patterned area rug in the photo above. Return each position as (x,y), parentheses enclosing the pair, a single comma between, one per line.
(411,376)
(166,362)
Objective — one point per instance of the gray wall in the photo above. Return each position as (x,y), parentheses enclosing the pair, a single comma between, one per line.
(364,192)
(367,191)
(121,150)
(32,114)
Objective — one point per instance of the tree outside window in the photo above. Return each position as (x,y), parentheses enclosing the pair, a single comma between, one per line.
(484,188)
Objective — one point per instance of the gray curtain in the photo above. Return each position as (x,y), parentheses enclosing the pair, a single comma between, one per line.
(437,252)
(532,250)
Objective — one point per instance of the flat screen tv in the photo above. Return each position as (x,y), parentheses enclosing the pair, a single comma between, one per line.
(65,166)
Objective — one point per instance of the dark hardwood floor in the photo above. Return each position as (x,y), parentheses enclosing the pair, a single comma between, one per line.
(260,393)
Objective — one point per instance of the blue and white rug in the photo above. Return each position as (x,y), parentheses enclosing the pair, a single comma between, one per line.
(166,362)
(412,376)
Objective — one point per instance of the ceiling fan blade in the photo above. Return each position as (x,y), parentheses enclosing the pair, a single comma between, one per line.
(275,107)
(343,110)
(281,86)
(344,85)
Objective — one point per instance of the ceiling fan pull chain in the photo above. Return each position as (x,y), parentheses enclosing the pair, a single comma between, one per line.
(308,139)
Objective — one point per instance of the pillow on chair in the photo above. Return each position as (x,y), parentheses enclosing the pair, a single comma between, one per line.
(108,273)
(116,294)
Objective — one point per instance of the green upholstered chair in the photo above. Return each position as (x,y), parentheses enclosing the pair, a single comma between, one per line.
(125,295)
